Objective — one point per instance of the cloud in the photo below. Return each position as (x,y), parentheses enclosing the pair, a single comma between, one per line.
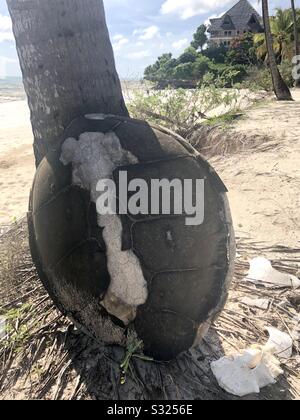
(117,37)
(189,8)
(148,33)
(6,33)
(119,41)
(178,45)
(139,55)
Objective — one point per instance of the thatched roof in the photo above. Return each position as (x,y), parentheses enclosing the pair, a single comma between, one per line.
(240,17)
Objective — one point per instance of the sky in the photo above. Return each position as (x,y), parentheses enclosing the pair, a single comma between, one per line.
(140,30)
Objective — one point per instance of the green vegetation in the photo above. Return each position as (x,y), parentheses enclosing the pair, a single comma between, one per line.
(184,111)
(134,350)
(282,28)
(190,68)
(16,328)
(200,38)
(244,63)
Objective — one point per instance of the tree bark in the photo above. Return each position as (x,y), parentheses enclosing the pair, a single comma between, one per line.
(67,64)
(281,89)
(296,34)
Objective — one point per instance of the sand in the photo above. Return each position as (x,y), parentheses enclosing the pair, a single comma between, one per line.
(16,160)
(264,184)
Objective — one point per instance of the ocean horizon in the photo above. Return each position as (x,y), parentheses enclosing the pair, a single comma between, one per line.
(12,89)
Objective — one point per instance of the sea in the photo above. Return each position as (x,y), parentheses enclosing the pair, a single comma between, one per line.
(12,89)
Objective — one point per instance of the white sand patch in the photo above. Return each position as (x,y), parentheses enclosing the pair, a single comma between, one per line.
(16,160)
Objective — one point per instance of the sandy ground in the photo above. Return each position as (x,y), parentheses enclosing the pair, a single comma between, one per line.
(16,160)
(263,184)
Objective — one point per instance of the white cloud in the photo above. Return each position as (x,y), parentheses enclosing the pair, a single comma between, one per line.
(189,8)
(5,23)
(148,33)
(6,33)
(139,55)
(6,36)
(117,37)
(119,42)
(178,45)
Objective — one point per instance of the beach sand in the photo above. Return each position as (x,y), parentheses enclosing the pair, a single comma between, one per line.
(16,160)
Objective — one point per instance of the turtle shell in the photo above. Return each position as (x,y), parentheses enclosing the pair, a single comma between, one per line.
(187,268)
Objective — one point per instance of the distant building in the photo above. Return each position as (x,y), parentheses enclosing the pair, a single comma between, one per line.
(240,19)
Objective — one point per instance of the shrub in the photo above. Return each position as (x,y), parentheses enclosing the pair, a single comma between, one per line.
(180,110)
(259,78)
(201,67)
(217,54)
(183,71)
(286,70)
(226,76)
(190,55)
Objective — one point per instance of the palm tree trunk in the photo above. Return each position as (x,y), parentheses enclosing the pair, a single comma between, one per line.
(296,34)
(281,90)
(67,63)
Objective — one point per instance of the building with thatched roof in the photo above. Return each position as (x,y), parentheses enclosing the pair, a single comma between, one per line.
(240,19)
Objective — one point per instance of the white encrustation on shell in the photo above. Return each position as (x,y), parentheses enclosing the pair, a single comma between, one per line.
(94,157)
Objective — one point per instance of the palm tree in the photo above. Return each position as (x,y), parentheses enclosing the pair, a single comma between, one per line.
(67,63)
(282,31)
(295,27)
(281,89)
(296,33)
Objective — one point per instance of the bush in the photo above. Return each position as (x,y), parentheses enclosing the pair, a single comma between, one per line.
(216,54)
(183,71)
(162,69)
(260,78)
(190,55)
(242,51)
(286,70)
(201,67)
(180,110)
(226,76)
